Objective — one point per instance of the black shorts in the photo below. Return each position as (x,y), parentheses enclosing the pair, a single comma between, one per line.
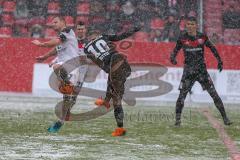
(189,78)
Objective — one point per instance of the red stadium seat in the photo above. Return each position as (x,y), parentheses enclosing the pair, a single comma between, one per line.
(7,19)
(53,8)
(24,30)
(84,19)
(5,32)
(9,6)
(83,8)
(157,23)
(141,37)
(113,6)
(229,32)
(36,20)
(50,33)
(97,19)
(227,35)
(69,21)
(210,30)
(21,22)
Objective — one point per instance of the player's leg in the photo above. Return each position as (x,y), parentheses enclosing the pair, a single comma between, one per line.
(117,94)
(122,69)
(63,76)
(109,91)
(68,103)
(186,84)
(180,105)
(207,84)
(78,78)
(108,96)
(118,79)
(61,73)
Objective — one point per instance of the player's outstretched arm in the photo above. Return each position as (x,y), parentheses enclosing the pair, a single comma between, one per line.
(124,35)
(210,45)
(42,58)
(175,52)
(50,43)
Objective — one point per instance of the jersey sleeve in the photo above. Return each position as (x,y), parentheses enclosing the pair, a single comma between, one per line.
(62,36)
(122,35)
(178,46)
(210,45)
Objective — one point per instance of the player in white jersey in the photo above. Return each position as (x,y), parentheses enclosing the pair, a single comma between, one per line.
(65,48)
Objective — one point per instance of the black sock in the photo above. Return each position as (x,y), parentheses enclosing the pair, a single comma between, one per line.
(179,107)
(118,113)
(219,104)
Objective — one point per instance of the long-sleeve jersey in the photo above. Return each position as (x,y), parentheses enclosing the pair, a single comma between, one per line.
(193,48)
(101,49)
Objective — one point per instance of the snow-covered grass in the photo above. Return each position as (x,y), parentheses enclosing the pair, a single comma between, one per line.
(151,134)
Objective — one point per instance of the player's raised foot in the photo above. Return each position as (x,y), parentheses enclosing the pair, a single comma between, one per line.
(55,127)
(119,132)
(66,88)
(178,123)
(100,102)
(227,122)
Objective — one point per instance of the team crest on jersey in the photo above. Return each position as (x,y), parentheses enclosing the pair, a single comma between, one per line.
(187,42)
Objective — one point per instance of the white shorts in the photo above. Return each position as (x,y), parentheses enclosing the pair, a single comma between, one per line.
(78,74)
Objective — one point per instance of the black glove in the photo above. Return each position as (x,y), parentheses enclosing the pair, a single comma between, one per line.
(173,59)
(220,66)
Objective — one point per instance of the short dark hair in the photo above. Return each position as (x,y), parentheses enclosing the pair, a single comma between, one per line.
(192,19)
(91,32)
(61,18)
(81,23)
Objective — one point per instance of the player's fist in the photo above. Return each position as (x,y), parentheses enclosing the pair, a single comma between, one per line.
(40,59)
(173,60)
(220,66)
(36,42)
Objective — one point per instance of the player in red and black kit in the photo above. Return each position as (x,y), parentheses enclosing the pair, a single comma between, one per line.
(101,51)
(195,69)
(81,32)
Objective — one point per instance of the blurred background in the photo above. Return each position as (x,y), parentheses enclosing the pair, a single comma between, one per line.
(162,20)
(21,21)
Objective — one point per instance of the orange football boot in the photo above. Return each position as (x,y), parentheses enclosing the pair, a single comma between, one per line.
(100,102)
(119,132)
(66,88)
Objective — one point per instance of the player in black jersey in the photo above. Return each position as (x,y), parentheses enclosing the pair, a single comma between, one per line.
(101,51)
(195,69)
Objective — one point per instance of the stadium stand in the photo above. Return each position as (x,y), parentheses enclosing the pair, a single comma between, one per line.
(102,15)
